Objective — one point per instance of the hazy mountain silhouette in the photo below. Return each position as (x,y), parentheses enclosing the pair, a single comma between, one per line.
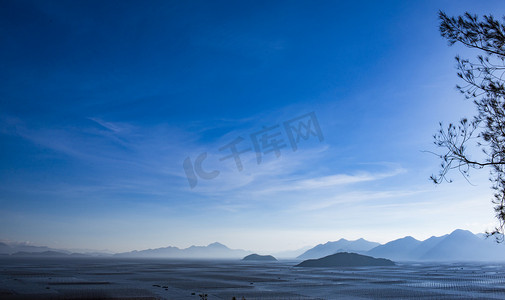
(399,249)
(11,248)
(426,246)
(344,259)
(463,245)
(460,245)
(342,245)
(257,257)
(43,254)
(214,250)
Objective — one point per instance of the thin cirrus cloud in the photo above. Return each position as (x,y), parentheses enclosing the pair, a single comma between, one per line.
(112,126)
(258,178)
(355,198)
(334,180)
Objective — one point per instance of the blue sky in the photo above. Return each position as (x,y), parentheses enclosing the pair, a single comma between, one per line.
(101,103)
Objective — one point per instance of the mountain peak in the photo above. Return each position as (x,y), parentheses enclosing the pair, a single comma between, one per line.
(408,238)
(217,245)
(461,232)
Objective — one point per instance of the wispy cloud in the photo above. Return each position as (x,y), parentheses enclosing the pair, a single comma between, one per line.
(330,181)
(115,127)
(353,197)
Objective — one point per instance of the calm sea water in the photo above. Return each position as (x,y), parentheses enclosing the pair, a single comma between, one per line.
(105,278)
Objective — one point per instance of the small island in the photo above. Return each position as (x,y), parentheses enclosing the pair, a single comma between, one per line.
(257,257)
(345,259)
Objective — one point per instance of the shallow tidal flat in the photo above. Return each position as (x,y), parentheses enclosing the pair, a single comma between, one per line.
(105,278)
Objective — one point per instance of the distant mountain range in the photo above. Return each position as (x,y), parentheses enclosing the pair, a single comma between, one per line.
(12,248)
(24,249)
(214,250)
(342,245)
(460,245)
